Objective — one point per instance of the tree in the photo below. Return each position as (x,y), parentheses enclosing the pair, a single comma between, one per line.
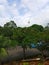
(4,43)
(38,28)
(25,37)
(1,30)
(19,36)
(7,32)
(43,41)
(11,24)
(47,26)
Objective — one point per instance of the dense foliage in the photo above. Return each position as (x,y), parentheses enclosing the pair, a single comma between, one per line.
(11,35)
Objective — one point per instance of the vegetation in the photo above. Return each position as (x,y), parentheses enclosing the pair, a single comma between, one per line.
(40,64)
(26,63)
(11,35)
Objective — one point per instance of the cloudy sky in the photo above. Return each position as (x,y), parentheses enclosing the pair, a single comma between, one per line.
(24,12)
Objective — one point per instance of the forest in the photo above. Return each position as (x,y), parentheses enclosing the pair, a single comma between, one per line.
(12,36)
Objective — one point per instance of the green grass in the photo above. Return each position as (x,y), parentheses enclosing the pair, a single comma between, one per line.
(26,63)
(40,64)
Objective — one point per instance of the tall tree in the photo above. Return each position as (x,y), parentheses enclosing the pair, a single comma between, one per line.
(11,24)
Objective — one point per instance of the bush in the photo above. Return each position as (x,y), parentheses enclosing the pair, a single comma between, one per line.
(3,52)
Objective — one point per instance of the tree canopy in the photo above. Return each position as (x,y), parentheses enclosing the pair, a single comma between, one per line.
(11,35)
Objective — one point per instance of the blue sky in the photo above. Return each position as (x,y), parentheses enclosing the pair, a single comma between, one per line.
(22,11)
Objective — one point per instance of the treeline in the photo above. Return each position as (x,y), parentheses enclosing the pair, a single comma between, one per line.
(11,35)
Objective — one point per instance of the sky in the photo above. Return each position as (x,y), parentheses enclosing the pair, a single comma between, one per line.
(24,12)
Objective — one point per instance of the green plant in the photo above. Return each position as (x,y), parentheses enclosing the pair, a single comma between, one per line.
(26,63)
(40,64)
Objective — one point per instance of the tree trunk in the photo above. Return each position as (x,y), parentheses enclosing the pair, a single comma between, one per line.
(0,59)
(23,53)
(7,52)
(42,56)
(0,56)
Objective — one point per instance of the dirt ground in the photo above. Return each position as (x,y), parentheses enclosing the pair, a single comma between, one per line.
(46,62)
(28,63)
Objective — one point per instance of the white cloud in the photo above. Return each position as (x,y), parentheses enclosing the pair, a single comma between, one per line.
(7,12)
(34,4)
(36,7)
(38,12)
(3,1)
